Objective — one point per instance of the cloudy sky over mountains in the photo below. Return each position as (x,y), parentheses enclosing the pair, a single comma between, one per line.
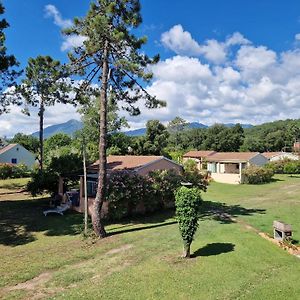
(221,74)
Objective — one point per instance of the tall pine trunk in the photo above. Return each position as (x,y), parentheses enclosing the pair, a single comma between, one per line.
(41,134)
(101,189)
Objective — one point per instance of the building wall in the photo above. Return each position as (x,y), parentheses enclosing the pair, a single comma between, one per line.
(227,178)
(22,155)
(258,160)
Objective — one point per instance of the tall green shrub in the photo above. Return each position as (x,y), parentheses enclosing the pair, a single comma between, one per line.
(257,175)
(188,203)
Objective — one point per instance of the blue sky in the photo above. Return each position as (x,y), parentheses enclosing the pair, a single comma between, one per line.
(221,61)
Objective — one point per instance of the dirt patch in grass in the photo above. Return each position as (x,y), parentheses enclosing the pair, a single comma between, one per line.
(31,284)
(120,249)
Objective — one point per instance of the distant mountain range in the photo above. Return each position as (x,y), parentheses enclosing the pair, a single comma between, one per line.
(73,125)
(68,128)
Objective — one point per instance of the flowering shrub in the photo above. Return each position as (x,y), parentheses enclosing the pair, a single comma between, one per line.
(164,184)
(257,175)
(13,171)
(126,191)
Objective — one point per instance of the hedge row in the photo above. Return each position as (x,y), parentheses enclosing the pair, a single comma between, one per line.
(13,171)
(284,166)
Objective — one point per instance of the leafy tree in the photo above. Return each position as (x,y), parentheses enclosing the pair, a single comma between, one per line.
(155,140)
(188,204)
(177,124)
(29,142)
(43,86)
(111,53)
(8,74)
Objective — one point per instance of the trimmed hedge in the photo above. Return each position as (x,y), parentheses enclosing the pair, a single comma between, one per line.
(257,175)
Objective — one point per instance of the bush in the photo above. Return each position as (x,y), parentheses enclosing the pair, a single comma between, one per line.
(257,175)
(125,192)
(292,167)
(164,184)
(284,166)
(13,171)
(193,175)
(188,203)
(43,182)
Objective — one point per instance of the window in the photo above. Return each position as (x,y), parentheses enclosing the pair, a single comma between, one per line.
(13,160)
(91,188)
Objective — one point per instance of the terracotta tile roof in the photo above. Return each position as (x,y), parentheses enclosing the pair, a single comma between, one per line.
(271,154)
(126,162)
(232,156)
(198,154)
(7,147)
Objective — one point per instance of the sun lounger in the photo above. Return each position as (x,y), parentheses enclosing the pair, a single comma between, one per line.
(59,209)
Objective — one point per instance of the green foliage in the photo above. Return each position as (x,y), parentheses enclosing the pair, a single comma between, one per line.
(193,175)
(108,27)
(188,204)
(292,167)
(284,166)
(13,171)
(45,182)
(8,74)
(29,142)
(257,175)
(155,140)
(164,184)
(126,191)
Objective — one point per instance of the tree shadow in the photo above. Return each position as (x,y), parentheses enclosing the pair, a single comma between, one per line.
(223,212)
(21,219)
(214,249)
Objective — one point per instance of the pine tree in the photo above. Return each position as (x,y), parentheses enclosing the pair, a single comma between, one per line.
(111,55)
(8,74)
(45,84)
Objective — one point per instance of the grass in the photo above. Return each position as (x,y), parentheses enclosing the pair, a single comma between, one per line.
(278,200)
(141,257)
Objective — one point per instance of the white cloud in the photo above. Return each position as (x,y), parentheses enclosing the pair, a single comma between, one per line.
(16,121)
(254,85)
(71,41)
(52,11)
(180,41)
(250,57)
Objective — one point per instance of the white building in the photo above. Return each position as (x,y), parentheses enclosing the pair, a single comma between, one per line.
(227,167)
(275,156)
(17,154)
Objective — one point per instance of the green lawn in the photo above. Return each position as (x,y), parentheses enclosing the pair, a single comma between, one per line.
(260,205)
(141,259)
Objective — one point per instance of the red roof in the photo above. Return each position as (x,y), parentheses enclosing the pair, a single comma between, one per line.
(232,156)
(198,154)
(127,162)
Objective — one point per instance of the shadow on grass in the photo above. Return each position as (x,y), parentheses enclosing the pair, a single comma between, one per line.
(21,219)
(222,212)
(214,249)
